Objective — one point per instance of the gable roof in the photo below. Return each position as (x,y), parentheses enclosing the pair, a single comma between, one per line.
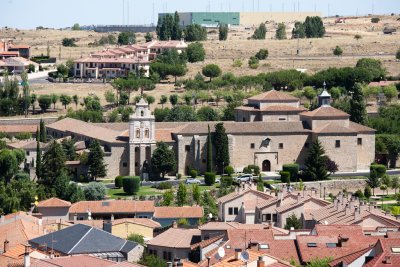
(82,239)
(81,260)
(350,258)
(177,238)
(274,95)
(178,212)
(236,194)
(54,202)
(325,112)
(113,206)
(142,221)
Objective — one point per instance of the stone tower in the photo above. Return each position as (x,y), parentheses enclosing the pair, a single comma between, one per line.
(141,139)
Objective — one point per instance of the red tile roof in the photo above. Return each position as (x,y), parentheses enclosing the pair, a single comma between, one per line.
(350,258)
(325,112)
(273,95)
(54,203)
(112,206)
(178,212)
(176,238)
(81,260)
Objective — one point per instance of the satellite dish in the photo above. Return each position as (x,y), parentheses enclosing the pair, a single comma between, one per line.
(244,256)
(221,252)
(210,215)
(325,222)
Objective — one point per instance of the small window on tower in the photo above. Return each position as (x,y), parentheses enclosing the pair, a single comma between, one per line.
(252,145)
(137,133)
(187,148)
(280,145)
(146,133)
(359,141)
(337,143)
(142,113)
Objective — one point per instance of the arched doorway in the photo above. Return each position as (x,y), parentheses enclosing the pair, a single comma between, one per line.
(266,166)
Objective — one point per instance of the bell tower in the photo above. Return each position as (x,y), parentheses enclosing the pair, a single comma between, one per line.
(141,138)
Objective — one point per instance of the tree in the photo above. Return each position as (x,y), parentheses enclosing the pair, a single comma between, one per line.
(358,111)
(299,30)
(125,38)
(76,27)
(195,52)
(260,32)
(195,32)
(163,159)
(168,198)
(367,192)
(357,37)
(181,195)
(338,51)
(293,221)
(131,185)
(110,97)
(65,100)
(223,32)
(33,99)
(181,113)
(390,92)
(136,238)
(44,102)
(373,67)
(262,54)
(54,99)
(398,54)
(42,132)
(316,163)
(68,146)
(177,70)
(176,33)
(395,183)
(163,100)
(38,158)
(314,27)
(309,93)
(8,165)
(95,191)
(221,144)
(260,184)
(97,167)
(211,71)
(173,99)
(253,62)
(280,33)
(324,262)
(69,42)
(75,99)
(53,166)
(148,37)
(376,172)
(152,260)
(209,152)
(196,194)
(207,113)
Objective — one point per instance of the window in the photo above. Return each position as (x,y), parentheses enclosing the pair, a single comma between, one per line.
(137,133)
(124,164)
(204,161)
(282,119)
(274,217)
(244,119)
(266,217)
(337,143)
(169,256)
(27,153)
(312,245)
(264,246)
(165,255)
(136,164)
(236,211)
(146,133)
(395,249)
(230,211)
(187,148)
(331,245)
(280,145)
(252,145)
(359,141)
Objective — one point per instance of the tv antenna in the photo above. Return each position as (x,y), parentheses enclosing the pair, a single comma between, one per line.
(244,256)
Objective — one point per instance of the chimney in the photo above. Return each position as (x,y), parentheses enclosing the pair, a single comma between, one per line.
(27,258)
(356,214)
(59,225)
(174,225)
(260,262)
(347,209)
(387,260)
(169,264)
(75,218)
(351,205)
(2,218)
(112,217)
(6,245)
(298,197)
(208,261)
(237,253)
(342,241)
(335,202)
(107,226)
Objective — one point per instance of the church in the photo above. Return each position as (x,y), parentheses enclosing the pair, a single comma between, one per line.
(270,130)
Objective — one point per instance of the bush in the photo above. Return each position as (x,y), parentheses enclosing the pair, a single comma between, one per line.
(238,63)
(23,135)
(285,177)
(209,178)
(375,20)
(131,184)
(136,238)
(227,180)
(253,62)
(69,42)
(254,169)
(193,173)
(379,169)
(229,170)
(95,191)
(195,52)
(163,186)
(293,169)
(262,54)
(118,181)
(246,170)
(359,194)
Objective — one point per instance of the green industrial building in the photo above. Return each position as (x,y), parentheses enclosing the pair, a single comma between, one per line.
(207,19)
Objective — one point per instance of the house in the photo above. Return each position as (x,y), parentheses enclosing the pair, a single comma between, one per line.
(17,65)
(9,49)
(174,243)
(54,209)
(167,215)
(240,205)
(83,239)
(111,209)
(16,255)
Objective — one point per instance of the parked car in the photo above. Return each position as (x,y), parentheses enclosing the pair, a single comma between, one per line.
(192,181)
(244,178)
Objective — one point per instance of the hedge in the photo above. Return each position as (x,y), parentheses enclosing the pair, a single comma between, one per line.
(229,170)
(227,180)
(118,181)
(193,173)
(164,185)
(379,169)
(131,184)
(293,169)
(285,177)
(209,178)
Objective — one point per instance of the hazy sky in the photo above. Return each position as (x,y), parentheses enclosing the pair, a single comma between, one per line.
(55,13)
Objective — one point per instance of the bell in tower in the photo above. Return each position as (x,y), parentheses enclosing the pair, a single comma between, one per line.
(324,99)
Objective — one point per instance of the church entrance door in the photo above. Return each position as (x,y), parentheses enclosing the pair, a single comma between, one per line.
(266,166)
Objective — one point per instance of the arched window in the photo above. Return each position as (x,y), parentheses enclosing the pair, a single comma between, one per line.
(142,113)
(146,133)
(137,133)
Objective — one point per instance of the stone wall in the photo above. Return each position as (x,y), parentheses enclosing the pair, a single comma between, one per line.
(351,185)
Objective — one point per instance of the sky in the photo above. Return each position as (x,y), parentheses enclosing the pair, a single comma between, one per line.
(28,14)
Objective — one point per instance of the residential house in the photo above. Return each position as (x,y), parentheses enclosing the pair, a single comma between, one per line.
(174,243)
(29,147)
(9,49)
(16,64)
(83,239)
(54,209)
(111,209)
(167,215)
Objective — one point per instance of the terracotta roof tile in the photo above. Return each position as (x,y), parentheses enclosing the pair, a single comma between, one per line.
(142,221)
(350,258)
(176,238)
(13,129)
(112,206)
(273,95)
(53,203)
(325,112)
(178,212)
(207,242)
(273,109)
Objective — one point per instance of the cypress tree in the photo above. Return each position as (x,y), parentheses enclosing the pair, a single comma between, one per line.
(358,112)
(221,147)
(316,163)
(209,151)
(43,136)
(97,167)
(38,160)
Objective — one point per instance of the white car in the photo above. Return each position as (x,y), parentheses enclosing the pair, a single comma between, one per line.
(192,181)
(244,178)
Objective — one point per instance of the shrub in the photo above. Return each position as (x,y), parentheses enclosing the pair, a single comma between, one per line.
(69,42)
(285,177)
(229,170)
(193,173)
(209,178)
(253,62)
(118,181)
(359,194)
(379,169)
(164,185)
(246,170)
(254,169)
(95,191)
(238,63)
(136,238)
(262,54)
(195,52)
(183,222)
(293,169)
(131,184)
(227,180)
(23,135)
(375,20)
